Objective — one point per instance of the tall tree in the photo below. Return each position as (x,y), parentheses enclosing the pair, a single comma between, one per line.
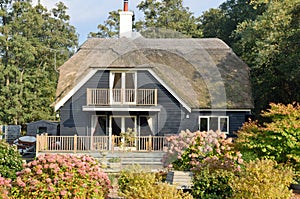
(223,21)
(158,15)
(270,45)
(33,41)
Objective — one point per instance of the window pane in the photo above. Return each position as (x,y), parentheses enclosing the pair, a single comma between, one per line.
(213,123)
(117,80)
(129,123)
(146,125)
(129,80)
(203,124)
(116,125)
(100,128)
(223,124)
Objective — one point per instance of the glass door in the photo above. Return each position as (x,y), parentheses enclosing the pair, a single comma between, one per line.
(118,125)
(123,87)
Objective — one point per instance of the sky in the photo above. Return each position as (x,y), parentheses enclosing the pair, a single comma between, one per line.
(87,14)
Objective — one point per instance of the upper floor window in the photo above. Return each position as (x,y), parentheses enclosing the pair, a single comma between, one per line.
(123,87)
(122,80)
(207,123)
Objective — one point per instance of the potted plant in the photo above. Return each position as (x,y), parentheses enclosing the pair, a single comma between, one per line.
(128,139)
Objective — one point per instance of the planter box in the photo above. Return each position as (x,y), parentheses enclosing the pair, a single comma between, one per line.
(295,186)
(182,179)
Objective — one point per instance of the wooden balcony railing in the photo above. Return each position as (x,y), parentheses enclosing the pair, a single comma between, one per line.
(99,96)
(79,144)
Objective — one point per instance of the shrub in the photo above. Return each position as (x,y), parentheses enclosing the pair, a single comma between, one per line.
(5,187)
(198,150)
(263,179)
(277,139)
(135,183)
(214,184)
(61,176)
(10,160)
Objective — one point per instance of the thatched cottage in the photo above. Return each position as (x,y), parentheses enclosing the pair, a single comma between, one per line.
(155,86)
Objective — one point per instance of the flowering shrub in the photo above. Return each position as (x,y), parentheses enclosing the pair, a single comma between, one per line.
(61,176)
(177,145)
(10,160)
(5,187)
(201,149)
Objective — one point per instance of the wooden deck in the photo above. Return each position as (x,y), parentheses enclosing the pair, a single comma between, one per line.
(90,144)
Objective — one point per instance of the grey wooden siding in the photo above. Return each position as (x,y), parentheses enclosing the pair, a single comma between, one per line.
(73,119)
(170,120)
(172,113)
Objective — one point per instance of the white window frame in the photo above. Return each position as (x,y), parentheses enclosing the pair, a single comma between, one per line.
(123,128)
(123,83)
(219,120)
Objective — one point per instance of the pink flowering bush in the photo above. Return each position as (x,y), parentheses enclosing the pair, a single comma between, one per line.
(177,145)
(5,186)
(61,176)
(197,150)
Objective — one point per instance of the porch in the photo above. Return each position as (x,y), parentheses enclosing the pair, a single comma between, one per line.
(90,144)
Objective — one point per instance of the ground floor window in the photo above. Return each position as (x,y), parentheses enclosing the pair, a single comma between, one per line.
(147,125)
(214,123)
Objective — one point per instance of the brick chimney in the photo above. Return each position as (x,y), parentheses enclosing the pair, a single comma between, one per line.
(125,21)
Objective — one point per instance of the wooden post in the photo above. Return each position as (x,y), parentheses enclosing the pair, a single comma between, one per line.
(45,141)
(155,97)
(75,143)
(38,137)
(150,143)
(112,143)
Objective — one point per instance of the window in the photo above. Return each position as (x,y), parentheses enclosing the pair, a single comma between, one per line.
(122,87)
(147,125)
(214,123)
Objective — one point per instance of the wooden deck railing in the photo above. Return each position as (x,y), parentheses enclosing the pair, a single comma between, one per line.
(77,144)
(99,96)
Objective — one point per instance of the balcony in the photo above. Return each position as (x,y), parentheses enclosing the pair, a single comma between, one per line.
(106,97)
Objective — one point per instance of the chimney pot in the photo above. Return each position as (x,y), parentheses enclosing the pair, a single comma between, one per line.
(125,5)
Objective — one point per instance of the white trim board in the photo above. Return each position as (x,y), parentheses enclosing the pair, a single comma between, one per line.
(170,90)
(108,108)
(222,110)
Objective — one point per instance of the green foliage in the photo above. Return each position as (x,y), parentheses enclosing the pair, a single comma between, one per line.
(262,179)
(135,183)
(10,160)
(33,42)
(209,184)
(62,176)
(223,21)
(278,139)
(270,46)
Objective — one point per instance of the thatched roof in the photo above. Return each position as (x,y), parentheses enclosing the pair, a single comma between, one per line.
(204,73)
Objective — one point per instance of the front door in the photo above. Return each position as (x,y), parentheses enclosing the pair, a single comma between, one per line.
(118,124)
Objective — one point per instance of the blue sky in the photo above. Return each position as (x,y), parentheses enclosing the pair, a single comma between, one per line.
(87,14)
